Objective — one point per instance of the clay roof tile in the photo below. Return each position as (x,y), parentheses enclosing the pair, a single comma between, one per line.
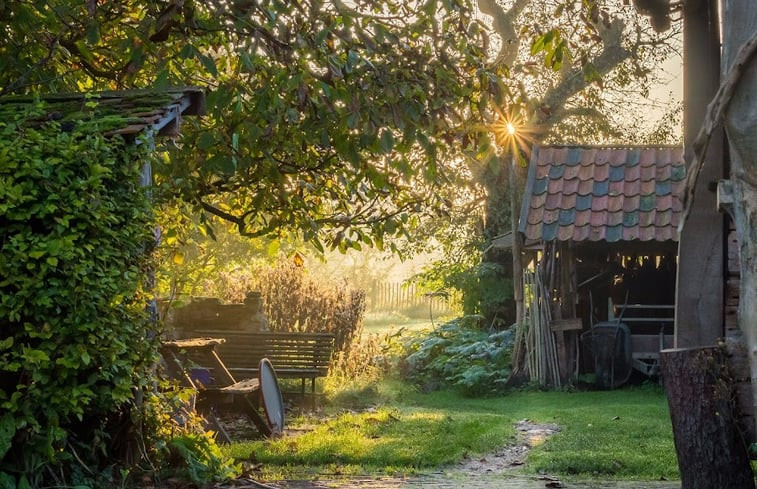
(611,194)
(585,187)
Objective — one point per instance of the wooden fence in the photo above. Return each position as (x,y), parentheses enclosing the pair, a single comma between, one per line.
(405,298)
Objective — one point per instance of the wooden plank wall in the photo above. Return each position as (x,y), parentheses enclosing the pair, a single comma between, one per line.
(733,281)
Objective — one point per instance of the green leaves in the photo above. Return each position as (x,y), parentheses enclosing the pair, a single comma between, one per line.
(460,356)
(7,430)
(73,335)
(554,47)
(327,92)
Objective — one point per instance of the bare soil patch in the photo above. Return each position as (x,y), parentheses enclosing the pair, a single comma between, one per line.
(529,434)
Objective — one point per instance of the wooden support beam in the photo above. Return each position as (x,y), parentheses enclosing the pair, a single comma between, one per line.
(699,292)
(725,196)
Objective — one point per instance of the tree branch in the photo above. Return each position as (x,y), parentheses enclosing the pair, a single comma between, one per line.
(574,80)
(504,25)
(19,82)
(238,221)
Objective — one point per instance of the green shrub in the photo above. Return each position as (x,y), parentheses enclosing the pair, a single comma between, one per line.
(176,442)
(484,288)
(74,336)
(460,356)
(78,349)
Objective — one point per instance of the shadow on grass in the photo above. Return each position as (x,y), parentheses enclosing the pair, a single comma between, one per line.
(622,434)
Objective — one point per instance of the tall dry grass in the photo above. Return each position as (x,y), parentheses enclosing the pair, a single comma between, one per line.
(294,300)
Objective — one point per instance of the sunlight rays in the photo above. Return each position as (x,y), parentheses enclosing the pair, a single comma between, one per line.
(512,133)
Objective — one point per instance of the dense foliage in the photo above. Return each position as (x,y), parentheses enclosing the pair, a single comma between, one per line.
(459,355)
(482,287)
(75,345)
(336,122)
(346,123)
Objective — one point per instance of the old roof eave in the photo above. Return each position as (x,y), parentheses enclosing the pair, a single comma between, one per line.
(561,168)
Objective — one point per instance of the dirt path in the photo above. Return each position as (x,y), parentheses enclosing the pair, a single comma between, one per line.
(481,481)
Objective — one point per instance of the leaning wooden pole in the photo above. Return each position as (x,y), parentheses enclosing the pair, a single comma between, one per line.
(517,248)
(712,454)
(521,350)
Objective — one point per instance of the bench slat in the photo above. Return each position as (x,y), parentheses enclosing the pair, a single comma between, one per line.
(242,387)
(293,355)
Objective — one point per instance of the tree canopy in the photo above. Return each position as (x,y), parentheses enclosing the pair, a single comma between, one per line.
(338,122)
(334,121)
(347,124)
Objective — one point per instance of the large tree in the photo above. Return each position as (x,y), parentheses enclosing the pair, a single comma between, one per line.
(570,73)
(333,121)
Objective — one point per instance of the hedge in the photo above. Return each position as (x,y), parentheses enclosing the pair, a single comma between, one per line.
(75,341)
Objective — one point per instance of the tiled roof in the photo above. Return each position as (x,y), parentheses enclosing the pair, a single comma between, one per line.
(126,112)
(603,194)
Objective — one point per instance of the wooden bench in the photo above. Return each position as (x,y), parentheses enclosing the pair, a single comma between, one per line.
(293,355)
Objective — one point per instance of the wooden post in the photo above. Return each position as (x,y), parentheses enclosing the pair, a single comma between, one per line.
(517,247)
(711,451)
(740,25)
(699,290)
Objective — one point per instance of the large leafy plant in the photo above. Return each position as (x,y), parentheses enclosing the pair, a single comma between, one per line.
(461,356)
(75,341)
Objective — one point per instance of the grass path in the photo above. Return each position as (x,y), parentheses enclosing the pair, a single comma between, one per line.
(389,323)
(612,435)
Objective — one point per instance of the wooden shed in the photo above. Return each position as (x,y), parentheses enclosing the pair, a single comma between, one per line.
(602,223)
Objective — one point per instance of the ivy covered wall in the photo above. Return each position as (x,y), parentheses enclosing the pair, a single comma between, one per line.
(75,342)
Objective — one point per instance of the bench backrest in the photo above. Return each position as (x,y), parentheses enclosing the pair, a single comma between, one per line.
(284,350)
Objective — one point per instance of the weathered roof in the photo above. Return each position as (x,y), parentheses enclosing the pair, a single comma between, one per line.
(603,194)
(503,241)
(127,112)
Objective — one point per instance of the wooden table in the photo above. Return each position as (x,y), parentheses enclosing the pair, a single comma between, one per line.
(175,353)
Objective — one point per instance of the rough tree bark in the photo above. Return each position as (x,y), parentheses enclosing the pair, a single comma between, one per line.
(711,452)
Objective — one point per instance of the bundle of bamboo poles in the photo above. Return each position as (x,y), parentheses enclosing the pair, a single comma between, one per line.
(539,340)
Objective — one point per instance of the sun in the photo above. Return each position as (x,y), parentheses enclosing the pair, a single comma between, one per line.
(512,133)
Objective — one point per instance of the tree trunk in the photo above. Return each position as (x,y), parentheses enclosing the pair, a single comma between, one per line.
(711,452)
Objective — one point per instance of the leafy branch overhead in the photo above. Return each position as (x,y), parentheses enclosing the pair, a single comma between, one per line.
(336,120)
(594,50)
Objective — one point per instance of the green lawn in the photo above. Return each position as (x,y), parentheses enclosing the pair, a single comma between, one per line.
(388,323)
(623,434)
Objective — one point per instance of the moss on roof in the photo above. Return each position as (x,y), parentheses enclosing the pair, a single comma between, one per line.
(127,112)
